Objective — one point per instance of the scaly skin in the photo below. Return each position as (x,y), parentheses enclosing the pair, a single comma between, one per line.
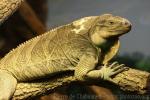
(38,57)
(78,47)
(7,7)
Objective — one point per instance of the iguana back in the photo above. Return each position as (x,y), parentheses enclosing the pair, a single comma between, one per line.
(55,51)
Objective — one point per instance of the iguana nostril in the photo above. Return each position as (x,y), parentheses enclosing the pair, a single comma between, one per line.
(126,23)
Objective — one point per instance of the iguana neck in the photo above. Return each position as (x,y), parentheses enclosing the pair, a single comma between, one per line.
(100,42)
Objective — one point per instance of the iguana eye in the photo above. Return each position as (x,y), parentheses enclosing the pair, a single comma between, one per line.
(111,23)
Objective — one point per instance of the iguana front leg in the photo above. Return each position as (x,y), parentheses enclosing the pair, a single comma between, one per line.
(86,68)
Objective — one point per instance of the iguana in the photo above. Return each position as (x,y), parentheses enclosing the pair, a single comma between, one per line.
(79,46)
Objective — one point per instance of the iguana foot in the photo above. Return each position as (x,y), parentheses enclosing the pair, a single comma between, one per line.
(109,70)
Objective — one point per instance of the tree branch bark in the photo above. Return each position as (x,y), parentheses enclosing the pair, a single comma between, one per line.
(130,80)
(133,80)
(7,7)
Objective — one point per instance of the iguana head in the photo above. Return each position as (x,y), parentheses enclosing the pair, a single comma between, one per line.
(106,27)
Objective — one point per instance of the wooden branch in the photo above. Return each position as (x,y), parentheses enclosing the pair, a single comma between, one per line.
(30,90)
(31,18)
(131,80)
(7,7)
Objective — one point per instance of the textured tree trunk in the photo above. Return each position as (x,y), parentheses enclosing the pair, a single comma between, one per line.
(31,90)
(132,80)
(7,7)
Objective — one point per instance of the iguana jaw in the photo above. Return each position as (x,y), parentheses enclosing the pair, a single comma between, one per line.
(100,41)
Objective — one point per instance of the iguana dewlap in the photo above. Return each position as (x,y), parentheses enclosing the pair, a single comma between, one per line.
(81,46)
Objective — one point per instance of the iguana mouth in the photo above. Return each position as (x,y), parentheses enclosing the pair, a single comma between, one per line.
(126,30)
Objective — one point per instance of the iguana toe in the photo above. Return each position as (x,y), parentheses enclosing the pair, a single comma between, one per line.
(114,64)
(119,69)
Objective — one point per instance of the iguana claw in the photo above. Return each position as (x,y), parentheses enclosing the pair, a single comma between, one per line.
(112,69)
